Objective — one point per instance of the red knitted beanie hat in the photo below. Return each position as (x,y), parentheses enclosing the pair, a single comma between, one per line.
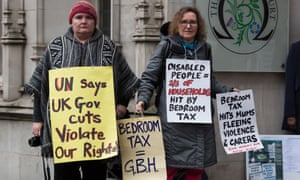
(83,6)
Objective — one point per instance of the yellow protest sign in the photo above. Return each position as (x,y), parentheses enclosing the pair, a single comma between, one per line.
(82,113)
(142,149)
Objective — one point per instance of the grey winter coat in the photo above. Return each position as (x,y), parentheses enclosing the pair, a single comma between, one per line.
(186,145)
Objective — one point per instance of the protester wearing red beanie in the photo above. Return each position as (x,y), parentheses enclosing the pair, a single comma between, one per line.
(83,44)
(83,6)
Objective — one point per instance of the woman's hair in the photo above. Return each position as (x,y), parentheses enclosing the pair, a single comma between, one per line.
(200,35)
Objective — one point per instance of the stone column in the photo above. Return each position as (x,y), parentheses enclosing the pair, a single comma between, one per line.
(13,41)
(115,21)
(149,17)
(37,39)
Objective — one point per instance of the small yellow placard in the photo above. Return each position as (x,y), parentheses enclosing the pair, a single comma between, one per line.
(142,148)
(82,114)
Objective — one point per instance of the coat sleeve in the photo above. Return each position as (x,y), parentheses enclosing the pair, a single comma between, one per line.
(34,84)
(290,82)
(34,87)
(154,73)
(127,81)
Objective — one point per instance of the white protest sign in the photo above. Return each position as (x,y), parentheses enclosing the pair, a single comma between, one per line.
(188,91)
(237,122)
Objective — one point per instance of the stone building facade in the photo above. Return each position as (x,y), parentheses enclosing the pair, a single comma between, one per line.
(134,25)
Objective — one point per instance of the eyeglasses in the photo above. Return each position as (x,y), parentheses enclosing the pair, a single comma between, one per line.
(191,23)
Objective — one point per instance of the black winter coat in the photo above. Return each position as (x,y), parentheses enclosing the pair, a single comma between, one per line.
(292,87)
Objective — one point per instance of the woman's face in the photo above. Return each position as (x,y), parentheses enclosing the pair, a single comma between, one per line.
(83,25)
(188,26)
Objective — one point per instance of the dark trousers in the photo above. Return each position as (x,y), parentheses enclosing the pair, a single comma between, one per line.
(83,170)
